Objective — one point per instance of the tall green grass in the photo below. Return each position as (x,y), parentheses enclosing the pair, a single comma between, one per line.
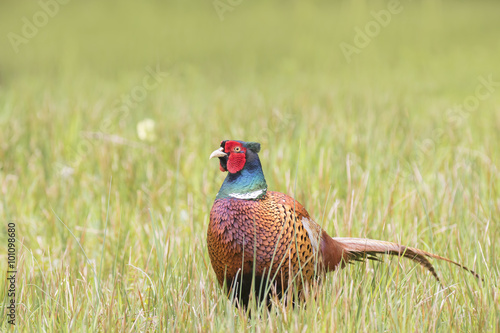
(111,230)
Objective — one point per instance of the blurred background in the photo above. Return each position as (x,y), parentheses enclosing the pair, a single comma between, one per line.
(381,117)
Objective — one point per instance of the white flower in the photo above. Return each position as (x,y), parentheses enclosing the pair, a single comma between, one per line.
(184,216)
(67,172)
(146,130)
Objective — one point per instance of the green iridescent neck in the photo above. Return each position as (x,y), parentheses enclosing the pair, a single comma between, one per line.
(247,184)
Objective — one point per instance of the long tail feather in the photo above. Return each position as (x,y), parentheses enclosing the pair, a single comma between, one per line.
(361,248)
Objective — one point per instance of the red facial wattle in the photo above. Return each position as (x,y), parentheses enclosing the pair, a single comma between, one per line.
(236,160)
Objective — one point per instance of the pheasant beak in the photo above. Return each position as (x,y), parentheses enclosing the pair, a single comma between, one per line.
(218,153)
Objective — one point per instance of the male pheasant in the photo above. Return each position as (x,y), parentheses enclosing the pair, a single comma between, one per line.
(268,240)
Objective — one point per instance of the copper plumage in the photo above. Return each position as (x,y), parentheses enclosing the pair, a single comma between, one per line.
(262,242)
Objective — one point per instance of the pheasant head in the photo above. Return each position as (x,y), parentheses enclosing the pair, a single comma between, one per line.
(245,179)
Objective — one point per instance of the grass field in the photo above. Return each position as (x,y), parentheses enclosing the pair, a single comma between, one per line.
(397,141)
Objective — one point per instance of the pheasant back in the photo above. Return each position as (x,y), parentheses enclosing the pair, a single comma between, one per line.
(260,240)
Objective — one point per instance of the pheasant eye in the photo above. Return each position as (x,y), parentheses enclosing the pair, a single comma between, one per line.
(237,149)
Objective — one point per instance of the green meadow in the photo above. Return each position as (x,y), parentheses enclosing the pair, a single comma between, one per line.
(381,118)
